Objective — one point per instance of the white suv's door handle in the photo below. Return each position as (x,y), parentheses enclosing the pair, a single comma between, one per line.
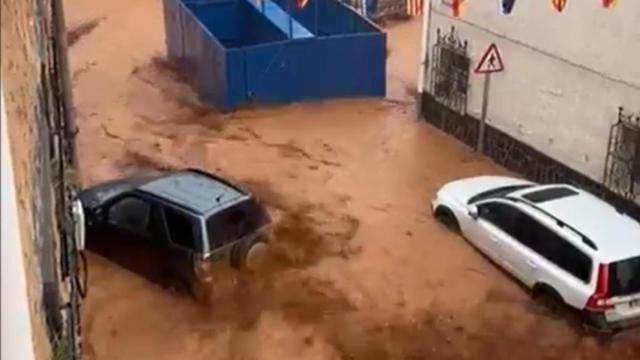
(494,239)
(532,264)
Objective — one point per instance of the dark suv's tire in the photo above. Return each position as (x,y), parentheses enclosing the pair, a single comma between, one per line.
(249,255)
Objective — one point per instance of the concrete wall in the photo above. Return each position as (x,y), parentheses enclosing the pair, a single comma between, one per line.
(27,110)
(17,342)
(566,73)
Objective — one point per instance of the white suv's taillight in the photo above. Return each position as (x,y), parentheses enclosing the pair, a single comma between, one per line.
(598,301)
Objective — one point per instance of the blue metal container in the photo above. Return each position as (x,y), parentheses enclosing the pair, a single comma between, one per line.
(239,51)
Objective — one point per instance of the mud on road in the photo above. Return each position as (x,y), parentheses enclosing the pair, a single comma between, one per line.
(359,268)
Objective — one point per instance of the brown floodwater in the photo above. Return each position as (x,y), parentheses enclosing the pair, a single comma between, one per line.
(358,269)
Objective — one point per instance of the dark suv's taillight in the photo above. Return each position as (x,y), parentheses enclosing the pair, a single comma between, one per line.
(598,301)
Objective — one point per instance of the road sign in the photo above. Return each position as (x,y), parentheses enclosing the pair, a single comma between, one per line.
(491,61)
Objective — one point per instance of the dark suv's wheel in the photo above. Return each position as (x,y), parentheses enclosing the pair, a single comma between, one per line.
(249,255)
(446,217)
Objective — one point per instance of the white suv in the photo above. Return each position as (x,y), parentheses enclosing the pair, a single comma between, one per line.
(564,243)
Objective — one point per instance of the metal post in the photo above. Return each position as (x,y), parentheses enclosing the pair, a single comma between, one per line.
(317,11)
(291,20)
(483,116)
(424,54)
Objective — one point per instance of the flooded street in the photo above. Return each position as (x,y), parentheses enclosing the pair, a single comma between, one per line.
(361,269)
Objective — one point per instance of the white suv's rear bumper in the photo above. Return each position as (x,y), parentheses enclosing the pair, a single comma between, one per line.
(607,322)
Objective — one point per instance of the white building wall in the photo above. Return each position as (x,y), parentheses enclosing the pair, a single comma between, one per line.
(16,322)
(565,74)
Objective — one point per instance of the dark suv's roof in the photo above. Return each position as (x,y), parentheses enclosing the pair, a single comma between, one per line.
(194,190)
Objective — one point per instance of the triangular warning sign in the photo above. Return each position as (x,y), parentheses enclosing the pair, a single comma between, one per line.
(491,61)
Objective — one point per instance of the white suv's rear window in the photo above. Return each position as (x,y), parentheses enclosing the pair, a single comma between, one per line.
(624,277)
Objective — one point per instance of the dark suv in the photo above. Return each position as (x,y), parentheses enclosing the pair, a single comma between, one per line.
(173,226)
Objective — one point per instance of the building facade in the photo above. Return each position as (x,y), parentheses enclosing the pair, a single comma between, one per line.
(566,105)
(40,273)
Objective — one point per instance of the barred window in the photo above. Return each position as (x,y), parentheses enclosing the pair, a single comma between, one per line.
(450,81)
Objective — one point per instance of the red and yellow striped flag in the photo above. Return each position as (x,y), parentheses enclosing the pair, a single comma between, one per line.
(414,7)
(609,3)
(455,6)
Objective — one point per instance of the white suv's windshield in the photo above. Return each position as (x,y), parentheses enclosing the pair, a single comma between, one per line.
(624,277)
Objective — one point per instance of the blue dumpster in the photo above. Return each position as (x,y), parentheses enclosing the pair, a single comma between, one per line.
(238,51)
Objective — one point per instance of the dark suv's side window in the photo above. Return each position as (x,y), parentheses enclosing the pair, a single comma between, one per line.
(181,229)
(131,213)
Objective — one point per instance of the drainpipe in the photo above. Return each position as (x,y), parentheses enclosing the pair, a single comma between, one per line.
(66,96)
(17,341)
(424,54)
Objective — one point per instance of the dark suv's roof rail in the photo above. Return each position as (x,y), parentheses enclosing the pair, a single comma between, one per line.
(560,223)
(216,178)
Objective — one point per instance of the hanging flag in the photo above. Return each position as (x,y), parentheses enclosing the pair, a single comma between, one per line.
(506,6)
(414,7)
(559,4)
(609,3)
(301,3)
(456,7)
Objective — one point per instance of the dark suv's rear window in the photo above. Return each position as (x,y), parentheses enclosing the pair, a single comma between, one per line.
(624,277)
(235,222)
(549,194)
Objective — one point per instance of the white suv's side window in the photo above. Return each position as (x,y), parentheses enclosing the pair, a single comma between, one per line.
(537,237)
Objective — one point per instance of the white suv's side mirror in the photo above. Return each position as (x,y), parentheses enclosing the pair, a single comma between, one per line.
(473,212)
(79,223)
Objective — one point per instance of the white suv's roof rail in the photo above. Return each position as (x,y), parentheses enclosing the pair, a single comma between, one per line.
(560,223)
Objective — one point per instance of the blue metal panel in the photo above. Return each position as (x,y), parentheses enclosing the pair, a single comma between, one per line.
(298,70)
(236,79)
(173,31)
(281,19)
(256,28)
(219,18)
(328,17)
(231,53)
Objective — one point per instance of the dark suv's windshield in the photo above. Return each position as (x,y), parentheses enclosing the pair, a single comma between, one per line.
(235,222)
(497,192)
(624,277)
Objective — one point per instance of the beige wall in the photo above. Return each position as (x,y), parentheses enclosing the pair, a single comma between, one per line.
(20,77)
(566,74)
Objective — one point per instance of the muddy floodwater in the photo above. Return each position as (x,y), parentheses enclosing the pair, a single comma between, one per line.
(358,270)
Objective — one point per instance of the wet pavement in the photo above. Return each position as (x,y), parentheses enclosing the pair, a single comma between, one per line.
(359,268)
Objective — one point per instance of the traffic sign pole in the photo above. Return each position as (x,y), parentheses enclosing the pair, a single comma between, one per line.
(490,63)
(483,116)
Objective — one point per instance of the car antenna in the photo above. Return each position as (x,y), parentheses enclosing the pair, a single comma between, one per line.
(219,197)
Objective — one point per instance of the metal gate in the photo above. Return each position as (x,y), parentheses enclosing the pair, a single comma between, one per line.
(381,9)
(622,165)
(450,72)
